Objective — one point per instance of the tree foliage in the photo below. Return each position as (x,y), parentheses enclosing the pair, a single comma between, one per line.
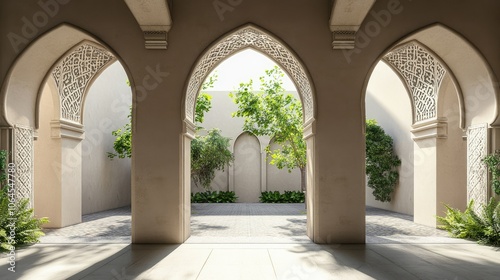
(274,113)
(381,162)
(123,141)
(3,167)
(208,154)
(204,100)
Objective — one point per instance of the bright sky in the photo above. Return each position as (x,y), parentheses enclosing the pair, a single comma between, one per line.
(242,67)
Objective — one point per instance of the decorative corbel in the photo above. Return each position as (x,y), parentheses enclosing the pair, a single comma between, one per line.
(155,40)
(345,20)
(153,17)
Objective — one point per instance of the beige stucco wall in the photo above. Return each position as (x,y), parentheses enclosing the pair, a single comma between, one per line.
(159,212)
(105,182)
(388,102)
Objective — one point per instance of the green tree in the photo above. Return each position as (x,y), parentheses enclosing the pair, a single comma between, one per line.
(274,113)
(381,162)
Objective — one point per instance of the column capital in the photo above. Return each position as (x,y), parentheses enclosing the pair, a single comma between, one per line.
(67,129)
(435,128)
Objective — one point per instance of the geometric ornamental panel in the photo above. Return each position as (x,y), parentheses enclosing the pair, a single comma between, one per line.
(422,73)
(250,37)
(477,173)
(23,159)
(74,73)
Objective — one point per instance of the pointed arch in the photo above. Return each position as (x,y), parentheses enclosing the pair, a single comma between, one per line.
(247,169)
(19,95)
(470,70)
(250,36)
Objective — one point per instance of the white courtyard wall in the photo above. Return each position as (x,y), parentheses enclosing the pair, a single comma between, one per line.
(387,102)
(105,182)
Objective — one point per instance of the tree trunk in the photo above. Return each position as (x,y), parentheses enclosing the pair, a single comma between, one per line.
(303,179)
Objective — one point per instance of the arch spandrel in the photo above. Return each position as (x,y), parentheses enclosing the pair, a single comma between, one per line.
(73,75)
(423,74)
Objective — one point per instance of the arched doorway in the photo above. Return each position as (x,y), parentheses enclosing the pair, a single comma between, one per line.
(247,166)
(248,37)
(64,71)
(452,114)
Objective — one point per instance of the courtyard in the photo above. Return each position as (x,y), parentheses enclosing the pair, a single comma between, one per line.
(247,223)
(73,74)
(253,241)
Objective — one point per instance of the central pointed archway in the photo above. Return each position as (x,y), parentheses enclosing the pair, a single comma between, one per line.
(248,36)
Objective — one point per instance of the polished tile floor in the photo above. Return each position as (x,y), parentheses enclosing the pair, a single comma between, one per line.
(423,253)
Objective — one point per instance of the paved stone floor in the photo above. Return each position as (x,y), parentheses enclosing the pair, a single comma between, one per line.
(247,223)
(397,249)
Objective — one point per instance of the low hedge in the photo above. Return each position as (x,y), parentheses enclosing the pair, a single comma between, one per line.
(286,197)
(213,197)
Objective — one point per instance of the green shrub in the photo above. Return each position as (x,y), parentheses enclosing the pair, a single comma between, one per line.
(286,197)
(492,161)
(214,197)
(26,228)
(485,227)
(381,162)
(17,224)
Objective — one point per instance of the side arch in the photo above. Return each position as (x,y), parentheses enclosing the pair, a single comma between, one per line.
(472,73)
(423,59)
(43,63)
(19,96)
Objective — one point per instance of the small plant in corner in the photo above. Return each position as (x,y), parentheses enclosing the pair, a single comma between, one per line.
(483,227)
(18,226)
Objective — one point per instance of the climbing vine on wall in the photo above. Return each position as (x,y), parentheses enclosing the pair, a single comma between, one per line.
(381,162)
(492,161)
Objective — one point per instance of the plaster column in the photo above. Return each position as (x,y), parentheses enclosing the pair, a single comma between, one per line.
(185,222)
(434,184)
(60,196)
